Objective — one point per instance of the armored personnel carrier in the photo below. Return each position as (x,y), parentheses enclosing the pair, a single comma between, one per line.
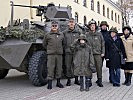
(21,42)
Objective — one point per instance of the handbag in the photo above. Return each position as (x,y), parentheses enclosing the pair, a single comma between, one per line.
(123,62)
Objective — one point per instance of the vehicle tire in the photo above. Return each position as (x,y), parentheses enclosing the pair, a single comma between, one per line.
(3,73)
(37,70)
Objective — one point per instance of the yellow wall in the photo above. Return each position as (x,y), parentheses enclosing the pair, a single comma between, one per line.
(76,7)
(4,12)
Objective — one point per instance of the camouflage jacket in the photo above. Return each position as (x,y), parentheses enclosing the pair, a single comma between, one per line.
(96,41)
(70,37)
(83,59)
(53,43)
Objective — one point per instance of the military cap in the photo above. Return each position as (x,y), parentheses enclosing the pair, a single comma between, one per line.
(54,22)
(92,21)
(104,23)
(113,29)
(82,37)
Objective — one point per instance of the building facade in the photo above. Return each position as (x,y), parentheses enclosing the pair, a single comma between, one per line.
(82,10)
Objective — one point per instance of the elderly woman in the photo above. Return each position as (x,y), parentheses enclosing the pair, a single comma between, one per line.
(127,39)
(113,46)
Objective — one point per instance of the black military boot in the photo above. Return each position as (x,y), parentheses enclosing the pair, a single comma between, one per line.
(59,84)
(126,79)
(76,80)
(90,83)
(99,82)
(129,75)
(81,83)
(87,82)
(68,82)
(49,84)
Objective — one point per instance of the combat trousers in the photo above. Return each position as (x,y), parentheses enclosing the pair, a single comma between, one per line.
(54,65)
(98,65)
(69,65)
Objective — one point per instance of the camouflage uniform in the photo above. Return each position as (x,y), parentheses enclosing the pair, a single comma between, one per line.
(70,37)
(98,48)
(83,62)
(53,43)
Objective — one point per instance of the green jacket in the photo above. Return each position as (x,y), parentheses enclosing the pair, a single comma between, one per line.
(83,59)
(54,43)
(97,43)
(70,37)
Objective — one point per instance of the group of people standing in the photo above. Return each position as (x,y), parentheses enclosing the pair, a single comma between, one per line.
(83,53)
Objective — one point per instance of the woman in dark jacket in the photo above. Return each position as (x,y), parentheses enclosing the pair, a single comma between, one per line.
(127,39)
(113,61)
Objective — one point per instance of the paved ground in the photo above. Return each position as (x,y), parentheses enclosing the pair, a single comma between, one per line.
(16,86)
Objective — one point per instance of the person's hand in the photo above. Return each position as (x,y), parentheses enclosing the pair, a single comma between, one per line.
(125,59)
(107,59)
(102,55)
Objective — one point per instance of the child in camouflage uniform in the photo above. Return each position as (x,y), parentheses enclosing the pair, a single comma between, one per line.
(83,61)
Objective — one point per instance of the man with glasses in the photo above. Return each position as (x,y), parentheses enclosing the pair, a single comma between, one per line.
(53,43)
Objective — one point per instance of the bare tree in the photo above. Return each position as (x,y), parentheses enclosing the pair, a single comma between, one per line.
(127,10)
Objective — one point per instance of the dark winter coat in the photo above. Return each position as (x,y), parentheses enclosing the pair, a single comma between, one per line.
(105,34)
(83,59)
(113,54)
(54,43)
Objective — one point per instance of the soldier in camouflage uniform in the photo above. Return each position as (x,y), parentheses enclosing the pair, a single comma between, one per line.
(98,47)
(53,43)
(71,34)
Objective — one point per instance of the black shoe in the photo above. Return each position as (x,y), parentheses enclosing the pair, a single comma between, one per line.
(110,82)
(90,84)
(129,75)
(76,81)
(128,84)
(49,84)
(81,89)
(116,85)
(99,82)
(81,83)
(59,84)
(68,82)
(87,84)
(126,79)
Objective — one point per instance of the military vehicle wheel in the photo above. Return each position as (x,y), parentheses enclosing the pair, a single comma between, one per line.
(37,70)
(3,73)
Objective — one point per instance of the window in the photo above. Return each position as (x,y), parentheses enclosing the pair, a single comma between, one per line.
(103,10)
(84,3)
(118,19)
(98,7)
(76,1)
(92,4)
(85,20)
(115,17)
(107,12)
(76,17)
(112,18)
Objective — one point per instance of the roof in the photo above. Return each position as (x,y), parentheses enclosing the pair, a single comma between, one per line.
(114,4)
